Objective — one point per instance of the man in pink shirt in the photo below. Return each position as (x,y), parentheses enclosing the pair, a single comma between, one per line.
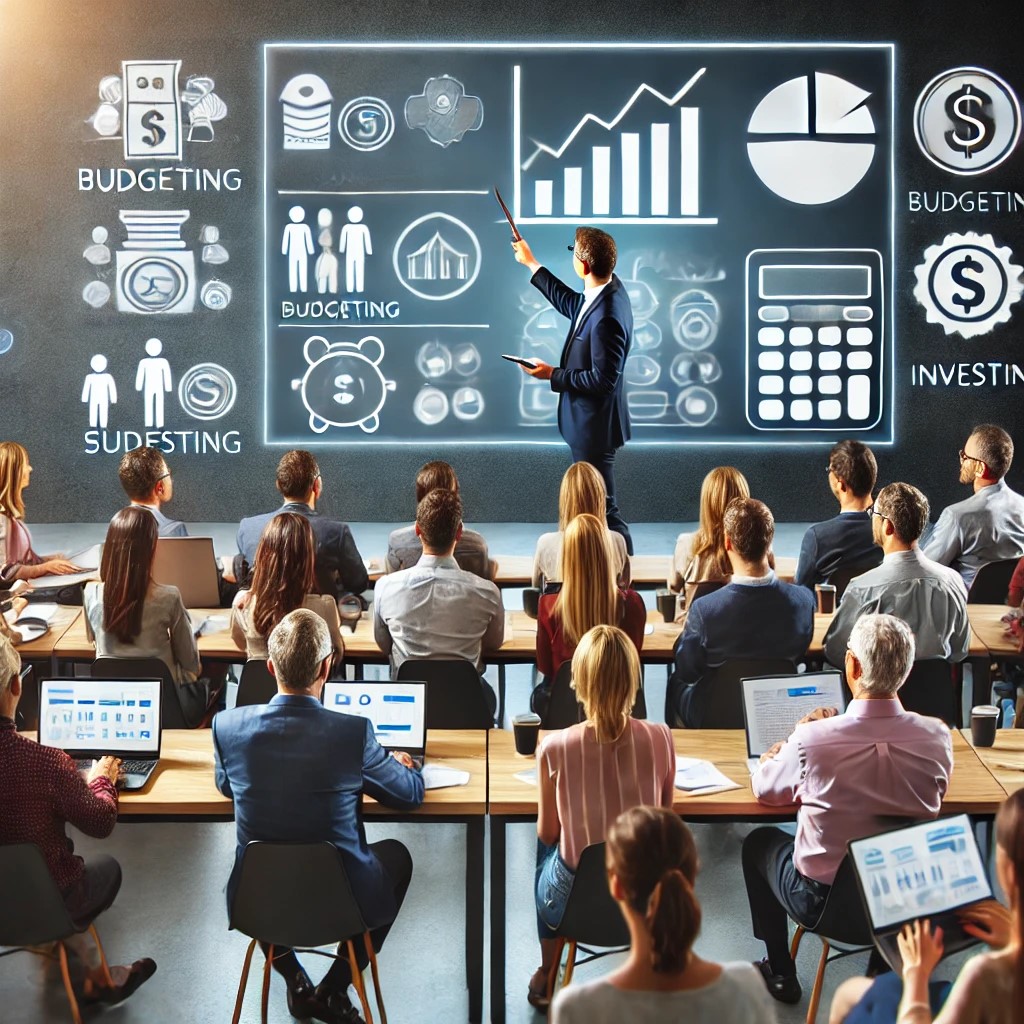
(851,775)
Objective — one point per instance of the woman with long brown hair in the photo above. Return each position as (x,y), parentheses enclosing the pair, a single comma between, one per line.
(652,868)
(284,578)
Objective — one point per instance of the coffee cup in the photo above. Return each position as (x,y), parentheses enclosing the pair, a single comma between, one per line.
(526,728)
(350,610)
(531,601)
(984,719)
(826,595)
(666,600)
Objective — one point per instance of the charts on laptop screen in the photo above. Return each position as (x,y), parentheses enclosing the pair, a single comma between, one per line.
(396,710)
(920,871)
(99,714)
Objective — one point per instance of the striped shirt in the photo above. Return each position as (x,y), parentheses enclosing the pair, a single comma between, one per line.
(595,782)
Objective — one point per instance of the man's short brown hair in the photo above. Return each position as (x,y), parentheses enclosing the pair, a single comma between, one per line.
(854,464)
(906,508)
(750,527)
(439,516)
(995,449)
(596,248)
(296,473)
(434,475)
(140,471)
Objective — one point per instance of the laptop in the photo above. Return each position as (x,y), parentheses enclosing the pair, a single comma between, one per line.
(189,564)
(932,869)
(772,705)
(87,718)
(396,710)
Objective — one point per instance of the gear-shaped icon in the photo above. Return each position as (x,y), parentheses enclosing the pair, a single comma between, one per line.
(968,284)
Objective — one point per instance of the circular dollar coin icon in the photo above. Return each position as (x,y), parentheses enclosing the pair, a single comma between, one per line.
(967,120)
(366,123)
(207,391)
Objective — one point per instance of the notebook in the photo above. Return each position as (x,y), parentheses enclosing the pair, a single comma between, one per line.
(931,870)
(396,710)
(88,718)
(772,705)
(189,564)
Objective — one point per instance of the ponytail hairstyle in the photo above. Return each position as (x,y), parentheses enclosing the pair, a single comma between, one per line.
(1010,839)
(653,855)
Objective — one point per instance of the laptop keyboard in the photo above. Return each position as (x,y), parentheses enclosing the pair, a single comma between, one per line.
(127,767)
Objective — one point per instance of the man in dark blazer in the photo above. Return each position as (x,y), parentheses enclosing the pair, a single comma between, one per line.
(754,616)
(339,566)
(592,413)
(297,772)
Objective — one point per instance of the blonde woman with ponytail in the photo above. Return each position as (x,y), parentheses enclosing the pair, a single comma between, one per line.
(652,867)
(590,773)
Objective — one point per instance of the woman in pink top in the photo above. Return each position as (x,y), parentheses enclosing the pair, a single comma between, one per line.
(588,774)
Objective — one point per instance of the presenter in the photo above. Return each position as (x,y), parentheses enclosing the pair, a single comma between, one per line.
(592,413)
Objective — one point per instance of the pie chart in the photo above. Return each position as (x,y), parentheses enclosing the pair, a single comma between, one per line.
(814,138)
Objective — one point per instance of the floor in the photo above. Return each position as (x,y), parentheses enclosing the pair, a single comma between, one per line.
(171,905)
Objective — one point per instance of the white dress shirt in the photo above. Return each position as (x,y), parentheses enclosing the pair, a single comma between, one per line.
(589,298)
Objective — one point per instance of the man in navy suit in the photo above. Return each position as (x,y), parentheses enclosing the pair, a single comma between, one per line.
(297,773)
(754,616)
(592,413)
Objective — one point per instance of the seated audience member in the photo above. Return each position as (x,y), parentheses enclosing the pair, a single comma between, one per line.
(990,986)
(851,775)
(283,580)
(148,483)
(754,616)
(844,541)
(581,493)
(435,609)
(589,597)
(43,793)
(652,867)
(1015,597)
(297,773)
(18,561)
(701,556)
(576,802)
(130,616)
(339,566)
(930,598)
(404,548)
(989,525)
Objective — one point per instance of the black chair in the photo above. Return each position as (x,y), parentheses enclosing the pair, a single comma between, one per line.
(256,686)
(696,591)
(723,695)
(840,578)
(34,913)
(564,709)
(455,696)
(27,716)
(843,923)
(171,715)
(934,688)
(992,583)
(298,895)
(591,918)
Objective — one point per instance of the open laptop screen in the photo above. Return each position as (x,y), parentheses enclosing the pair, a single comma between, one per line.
(772,705)
(396,710)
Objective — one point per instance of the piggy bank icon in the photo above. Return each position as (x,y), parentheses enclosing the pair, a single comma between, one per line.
(343,385)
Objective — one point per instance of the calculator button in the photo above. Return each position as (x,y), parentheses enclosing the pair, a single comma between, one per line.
(830,360)
(859,360)
(771,361)
(800,361)
(801,409)
(830,409)
(858,397)
(858,314)
(801,385)
(815,314)
(771,335)
(830,385)
(859,335)
(771,409)
(801,336)
(830,335)
(771,385)
(773,314)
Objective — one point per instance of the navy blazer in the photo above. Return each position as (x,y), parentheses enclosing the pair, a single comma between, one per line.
(771,620)
(840,542)
(592,411)
(339,566)
(297,772)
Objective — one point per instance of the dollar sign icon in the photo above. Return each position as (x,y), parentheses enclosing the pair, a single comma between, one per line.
(973,128)
(157,134)
(967,302)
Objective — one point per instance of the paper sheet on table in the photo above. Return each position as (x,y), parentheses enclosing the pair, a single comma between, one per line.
(87,558)
(42,610)
(211,624)
(529,776)
(440,776)
(697,777)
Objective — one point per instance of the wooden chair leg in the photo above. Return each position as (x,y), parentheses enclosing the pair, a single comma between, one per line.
(819,980)
(76,1014)
(570,964)
(553,976)
(265,997)
(242,981)
(376,977)
(795,946)
(357,981)
(104,966)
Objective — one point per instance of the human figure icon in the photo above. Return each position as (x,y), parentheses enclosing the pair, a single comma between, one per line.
(297,245)
(99,391)
(325,270)
(98,254)
(153,379)
(354,242)
(213,251)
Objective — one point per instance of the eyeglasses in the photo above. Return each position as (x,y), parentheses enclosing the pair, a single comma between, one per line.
(572,249)
(166,476)
(881,515)
(828,469)
(964,457)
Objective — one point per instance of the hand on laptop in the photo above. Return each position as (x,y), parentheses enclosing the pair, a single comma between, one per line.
(989,921)
(818,714)
(107,766)
(920,948)
(403,758)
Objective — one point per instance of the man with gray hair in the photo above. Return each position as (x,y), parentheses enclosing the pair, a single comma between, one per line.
(930,598)
(850,776)
(297,773)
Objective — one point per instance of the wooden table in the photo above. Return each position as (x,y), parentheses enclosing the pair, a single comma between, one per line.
(1005,760)
(43,649)
(987,643)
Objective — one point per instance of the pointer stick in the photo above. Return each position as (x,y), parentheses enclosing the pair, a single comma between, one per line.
(516,237)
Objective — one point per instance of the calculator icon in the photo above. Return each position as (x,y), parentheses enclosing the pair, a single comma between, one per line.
(815,339)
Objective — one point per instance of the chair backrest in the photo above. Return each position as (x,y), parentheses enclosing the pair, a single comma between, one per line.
(931,689)
(27,716)
(591,916)
(722,694)
(171,715)
(992,583)
(295,894)
(33,910)
(455,696)
(564,709)
(257,685)
(840,578)
(843,919)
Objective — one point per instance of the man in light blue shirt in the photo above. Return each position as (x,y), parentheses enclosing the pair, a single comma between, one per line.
(147,482)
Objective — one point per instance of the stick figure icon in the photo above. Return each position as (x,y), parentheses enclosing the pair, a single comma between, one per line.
(297,245)
(153,379)
(99,391)
(354,242)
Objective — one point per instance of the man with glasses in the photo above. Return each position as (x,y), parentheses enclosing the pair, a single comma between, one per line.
(928,597)
(593,416)
(988,526)
(147,482)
